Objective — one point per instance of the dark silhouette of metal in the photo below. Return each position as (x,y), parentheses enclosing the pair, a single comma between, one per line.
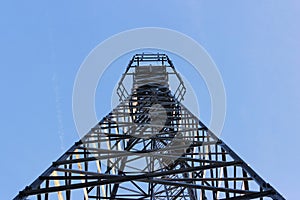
(149,147)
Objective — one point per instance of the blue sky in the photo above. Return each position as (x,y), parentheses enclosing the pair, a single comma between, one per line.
(254,43)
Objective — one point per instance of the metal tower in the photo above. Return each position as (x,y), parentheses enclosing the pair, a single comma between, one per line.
(149,147)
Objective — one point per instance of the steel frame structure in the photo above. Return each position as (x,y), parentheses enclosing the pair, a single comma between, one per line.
(125,156)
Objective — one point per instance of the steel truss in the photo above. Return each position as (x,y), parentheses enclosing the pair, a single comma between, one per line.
(149,147)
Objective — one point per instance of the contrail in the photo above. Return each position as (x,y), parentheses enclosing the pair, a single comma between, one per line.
(59,115)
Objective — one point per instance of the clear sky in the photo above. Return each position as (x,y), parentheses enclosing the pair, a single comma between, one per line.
(254,43)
